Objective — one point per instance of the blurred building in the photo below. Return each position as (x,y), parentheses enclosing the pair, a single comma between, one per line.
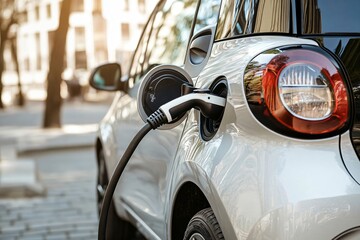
(100,31)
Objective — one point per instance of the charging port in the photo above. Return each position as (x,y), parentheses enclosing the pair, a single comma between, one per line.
(208,126)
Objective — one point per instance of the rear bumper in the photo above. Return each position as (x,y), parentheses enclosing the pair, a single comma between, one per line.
(288,189)
(328,218)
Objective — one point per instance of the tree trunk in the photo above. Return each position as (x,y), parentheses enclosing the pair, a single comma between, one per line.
(52,116)
(2,66)
(20,97)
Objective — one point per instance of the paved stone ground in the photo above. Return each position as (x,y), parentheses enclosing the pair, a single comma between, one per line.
(68,211)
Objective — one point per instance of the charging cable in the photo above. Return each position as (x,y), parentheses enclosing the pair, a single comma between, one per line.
(209,105)
(115,178)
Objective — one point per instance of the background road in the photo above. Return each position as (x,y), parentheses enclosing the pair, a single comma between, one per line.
(65,167)
(68,210)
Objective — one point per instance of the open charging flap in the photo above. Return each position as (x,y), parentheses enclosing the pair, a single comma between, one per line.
(161,85)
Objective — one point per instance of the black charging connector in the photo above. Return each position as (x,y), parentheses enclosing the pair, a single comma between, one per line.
(157,119)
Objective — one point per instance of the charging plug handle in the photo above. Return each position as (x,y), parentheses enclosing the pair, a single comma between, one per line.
(210,105)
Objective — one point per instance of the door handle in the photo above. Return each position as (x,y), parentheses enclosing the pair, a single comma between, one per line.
(199,48)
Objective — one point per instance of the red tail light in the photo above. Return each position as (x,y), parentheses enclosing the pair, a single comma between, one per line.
(298,90)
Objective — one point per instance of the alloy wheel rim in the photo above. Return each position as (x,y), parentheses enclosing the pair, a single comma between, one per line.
(197,236)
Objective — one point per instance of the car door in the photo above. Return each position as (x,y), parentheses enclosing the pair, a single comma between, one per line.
(141,191)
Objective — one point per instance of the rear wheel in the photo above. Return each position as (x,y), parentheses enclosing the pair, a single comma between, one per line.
(204,226)
(117,228)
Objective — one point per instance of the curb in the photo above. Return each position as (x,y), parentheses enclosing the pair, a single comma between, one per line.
(35,139)
(22,190)
(18,179)
(63,143)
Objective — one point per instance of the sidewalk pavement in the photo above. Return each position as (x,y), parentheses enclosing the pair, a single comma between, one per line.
(20,133)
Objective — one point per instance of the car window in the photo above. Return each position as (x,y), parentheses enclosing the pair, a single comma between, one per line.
(207,14)
(168,37)
(239,17)
(318,16)
(139,55)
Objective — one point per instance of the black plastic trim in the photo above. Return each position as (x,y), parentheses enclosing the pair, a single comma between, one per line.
(256,34)
(194,64)
(208,127)
(349,231)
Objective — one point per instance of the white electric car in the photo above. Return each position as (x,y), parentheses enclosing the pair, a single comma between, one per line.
(283,160)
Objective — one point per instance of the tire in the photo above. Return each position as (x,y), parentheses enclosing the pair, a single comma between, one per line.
(117,228)
(203,226)
(102,180)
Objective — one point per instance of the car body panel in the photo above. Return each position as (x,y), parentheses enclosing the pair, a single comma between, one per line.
(249,173)
(260,184)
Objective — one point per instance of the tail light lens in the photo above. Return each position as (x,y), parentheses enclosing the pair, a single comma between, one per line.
(298,91)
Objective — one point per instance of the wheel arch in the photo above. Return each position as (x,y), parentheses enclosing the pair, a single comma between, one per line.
(189,200)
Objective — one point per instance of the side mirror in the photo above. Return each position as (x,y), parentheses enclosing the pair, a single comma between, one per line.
(159,86)
(106,77)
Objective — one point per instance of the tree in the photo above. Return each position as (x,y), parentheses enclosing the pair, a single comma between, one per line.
(52,116)
(7,19)
(20,96)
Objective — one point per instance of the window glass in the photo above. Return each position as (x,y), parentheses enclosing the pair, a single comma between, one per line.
(77,5)
(171,33)
(80,59)
(126,6)
(141,4)
(80,38)
(37,13)
(125,31)
(238,17)
(139,55)
(207,14)
(168,37)
(80,48)
(38,51)
(97,6)
(318,16)
(48,11)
